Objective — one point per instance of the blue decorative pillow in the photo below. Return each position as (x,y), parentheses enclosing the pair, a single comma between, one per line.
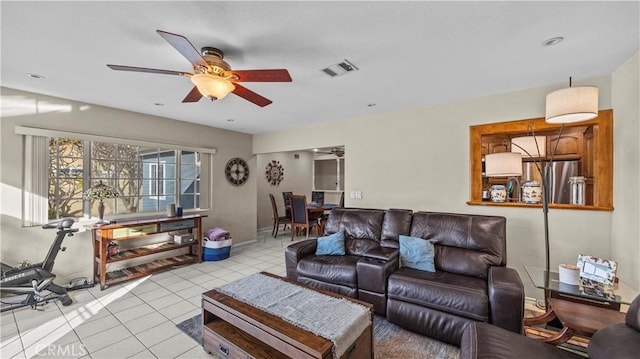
(332,245)
(417,253)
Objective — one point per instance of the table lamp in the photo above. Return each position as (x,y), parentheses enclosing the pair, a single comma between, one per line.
(100,191)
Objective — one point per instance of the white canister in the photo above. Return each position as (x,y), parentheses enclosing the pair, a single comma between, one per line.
(531,192)
(498,193)
(577,190)
(569,274)
(171,210)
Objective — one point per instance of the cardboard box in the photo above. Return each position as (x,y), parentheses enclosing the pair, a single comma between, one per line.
(183,238)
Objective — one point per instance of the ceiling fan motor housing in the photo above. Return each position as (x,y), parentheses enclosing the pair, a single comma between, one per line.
(213,57)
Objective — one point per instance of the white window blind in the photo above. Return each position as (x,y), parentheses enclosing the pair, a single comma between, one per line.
(36,181)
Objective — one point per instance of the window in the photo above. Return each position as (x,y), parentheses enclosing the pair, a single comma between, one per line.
(156,182)
(146,178)
(588,142)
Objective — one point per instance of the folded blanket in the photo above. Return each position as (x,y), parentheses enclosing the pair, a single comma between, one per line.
(217,234)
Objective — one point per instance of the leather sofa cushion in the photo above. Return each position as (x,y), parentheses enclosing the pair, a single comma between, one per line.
(447,292)
(465,244)
(396,222)
(619,340)
(339,270)
(362,228)
(615,341)
(632,318)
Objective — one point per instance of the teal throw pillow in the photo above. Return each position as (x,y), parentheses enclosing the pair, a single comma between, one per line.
(417,253)
(332,245)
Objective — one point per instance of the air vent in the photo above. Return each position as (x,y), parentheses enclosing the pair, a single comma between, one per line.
(340,68)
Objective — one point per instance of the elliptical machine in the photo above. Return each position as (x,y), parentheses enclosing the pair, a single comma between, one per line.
(32,284)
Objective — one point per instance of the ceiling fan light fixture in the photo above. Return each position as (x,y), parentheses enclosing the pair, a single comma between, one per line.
(212,86)
(573,104)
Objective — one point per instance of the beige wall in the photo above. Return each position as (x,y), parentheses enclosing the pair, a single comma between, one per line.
(625,233)
(297,179)
(419,158)
(232,207)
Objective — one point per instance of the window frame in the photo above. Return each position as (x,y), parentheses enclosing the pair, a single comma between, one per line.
(602,161)
(36,169)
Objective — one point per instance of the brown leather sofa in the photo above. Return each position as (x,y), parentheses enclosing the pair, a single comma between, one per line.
(617,341)
(371,242)
(471,282)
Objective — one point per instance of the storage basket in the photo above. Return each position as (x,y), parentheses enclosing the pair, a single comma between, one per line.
(216,250)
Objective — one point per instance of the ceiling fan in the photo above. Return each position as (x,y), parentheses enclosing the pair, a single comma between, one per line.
(212,76)
(336,151)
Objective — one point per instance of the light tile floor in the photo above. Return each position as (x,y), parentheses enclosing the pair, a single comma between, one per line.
(137,318)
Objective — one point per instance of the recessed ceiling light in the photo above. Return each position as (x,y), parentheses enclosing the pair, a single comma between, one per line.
(315,150)
(552,41)
(35,76)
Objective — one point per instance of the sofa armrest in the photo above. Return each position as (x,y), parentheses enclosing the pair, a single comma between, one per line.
(383,253)
(295,252)
(482,340)
(506,298)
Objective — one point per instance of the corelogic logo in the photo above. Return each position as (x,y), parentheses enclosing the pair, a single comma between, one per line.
(55,350)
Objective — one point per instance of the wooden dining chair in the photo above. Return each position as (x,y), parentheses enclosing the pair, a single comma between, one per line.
(317,197)
(277,220)
(300,216)
(286,197)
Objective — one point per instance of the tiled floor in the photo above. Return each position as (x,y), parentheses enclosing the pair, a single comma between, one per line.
(134,319)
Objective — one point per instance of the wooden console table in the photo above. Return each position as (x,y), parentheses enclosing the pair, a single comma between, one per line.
(127,230)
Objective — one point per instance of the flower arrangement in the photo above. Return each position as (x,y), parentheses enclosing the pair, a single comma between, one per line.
(100,191)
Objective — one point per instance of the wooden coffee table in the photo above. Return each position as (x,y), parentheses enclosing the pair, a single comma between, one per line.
(234,329)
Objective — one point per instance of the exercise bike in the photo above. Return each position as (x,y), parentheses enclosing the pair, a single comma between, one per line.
(32,284)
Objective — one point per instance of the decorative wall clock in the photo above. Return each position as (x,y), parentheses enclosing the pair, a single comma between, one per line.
(275,173)
(237,171)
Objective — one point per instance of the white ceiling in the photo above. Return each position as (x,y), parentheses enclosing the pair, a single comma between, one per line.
(409,54)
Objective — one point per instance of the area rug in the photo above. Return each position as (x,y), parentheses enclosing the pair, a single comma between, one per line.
(391,341)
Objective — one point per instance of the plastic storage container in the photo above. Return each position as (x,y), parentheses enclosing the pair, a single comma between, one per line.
(216,250)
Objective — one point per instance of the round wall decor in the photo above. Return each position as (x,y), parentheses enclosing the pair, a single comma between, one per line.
(275,173)
(237,171)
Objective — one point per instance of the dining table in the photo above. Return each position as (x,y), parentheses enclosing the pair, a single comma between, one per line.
(315,211)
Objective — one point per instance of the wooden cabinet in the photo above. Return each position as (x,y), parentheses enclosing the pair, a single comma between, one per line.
(141,238)
(567,146)
(496,144)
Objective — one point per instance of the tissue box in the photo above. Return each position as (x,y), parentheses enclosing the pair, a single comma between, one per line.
(216,250)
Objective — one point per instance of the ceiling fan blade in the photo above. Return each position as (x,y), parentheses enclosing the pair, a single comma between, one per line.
(144,69)
(184,47)
(193,96)
(251,96)
(273,75)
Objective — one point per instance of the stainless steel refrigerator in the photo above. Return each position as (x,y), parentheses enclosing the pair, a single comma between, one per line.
(559,173)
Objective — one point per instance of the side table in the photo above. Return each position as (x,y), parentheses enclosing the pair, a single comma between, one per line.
(576,318)
(578,312)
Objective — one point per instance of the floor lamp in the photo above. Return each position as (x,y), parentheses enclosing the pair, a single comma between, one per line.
(569,105)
